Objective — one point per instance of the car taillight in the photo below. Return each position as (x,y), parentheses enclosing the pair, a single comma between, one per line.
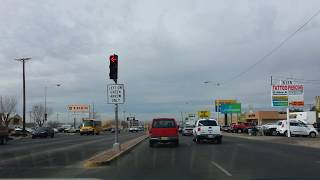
(150,132)
(199,129)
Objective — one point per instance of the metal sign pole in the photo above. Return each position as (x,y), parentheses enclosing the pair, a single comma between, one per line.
(116,145)
(288,122)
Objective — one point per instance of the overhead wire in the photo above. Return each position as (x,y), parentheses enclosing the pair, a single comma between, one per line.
(272,50)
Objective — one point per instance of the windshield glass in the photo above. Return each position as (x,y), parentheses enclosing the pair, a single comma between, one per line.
(164,123)
(87,123)
(207,123)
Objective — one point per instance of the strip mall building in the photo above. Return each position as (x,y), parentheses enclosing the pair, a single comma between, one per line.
(264,117)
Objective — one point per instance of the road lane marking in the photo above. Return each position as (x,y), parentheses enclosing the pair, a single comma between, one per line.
(221,168)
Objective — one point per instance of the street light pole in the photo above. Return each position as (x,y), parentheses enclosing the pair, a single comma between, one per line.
(23,60)
(45,104)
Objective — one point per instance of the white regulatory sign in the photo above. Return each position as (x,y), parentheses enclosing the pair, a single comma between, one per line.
(115,93)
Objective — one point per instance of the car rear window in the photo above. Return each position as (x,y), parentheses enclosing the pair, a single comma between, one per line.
(207,123)
(164,123)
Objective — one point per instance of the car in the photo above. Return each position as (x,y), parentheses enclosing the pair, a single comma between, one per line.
(296,128)
(43,132)
(270,129)
(207,130)
(113,130)
(133,129)
(241,127)
(4,134)
(164,131)
(107,129)
(317,126)
(226,128)
(187,130)
(55,130)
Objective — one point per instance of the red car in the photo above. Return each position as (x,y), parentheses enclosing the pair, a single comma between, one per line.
(164,130)
(241,127)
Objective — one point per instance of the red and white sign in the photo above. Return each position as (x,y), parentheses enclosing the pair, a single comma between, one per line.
(79,108)
(287,94)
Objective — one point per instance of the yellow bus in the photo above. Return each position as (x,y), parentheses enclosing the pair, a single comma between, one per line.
(90,126)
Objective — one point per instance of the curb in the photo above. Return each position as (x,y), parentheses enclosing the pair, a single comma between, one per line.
(285,141)
(107,156)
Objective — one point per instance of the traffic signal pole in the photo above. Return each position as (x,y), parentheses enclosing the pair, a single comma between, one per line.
(114,76)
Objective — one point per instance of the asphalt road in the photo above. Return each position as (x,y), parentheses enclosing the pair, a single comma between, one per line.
(38,157)
(235,158)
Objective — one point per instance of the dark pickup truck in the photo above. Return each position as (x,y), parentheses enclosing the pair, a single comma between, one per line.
(4,134)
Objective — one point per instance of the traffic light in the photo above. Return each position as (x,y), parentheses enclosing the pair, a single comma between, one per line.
(113,67)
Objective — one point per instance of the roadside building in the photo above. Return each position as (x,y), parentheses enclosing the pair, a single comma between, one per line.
(264,117)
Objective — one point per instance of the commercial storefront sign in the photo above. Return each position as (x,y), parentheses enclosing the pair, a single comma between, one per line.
(287,95)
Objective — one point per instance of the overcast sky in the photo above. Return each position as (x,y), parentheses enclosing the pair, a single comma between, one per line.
(166,49)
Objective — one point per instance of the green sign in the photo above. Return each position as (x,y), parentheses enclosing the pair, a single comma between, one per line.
(280,103)
(231,108)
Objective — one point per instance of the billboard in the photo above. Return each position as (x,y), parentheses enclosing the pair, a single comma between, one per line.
(79,108)
(231,108)
(219,102)
(287,95)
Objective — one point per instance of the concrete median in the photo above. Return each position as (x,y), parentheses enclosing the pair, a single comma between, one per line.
(107,156)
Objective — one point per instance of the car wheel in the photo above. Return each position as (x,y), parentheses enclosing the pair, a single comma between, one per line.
(151,144)
(286,133)
(176,144)
(274,133)
(197,140)
(313,134)
(4,141)
(239,131)
(219,140)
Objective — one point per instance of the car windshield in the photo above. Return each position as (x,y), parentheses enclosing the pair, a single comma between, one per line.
(163,123)
(42,129)
(207,123)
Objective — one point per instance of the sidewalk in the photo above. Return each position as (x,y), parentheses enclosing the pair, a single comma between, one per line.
(295,141)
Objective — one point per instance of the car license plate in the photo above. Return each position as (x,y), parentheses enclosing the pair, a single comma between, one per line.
(210,136)
(164,138)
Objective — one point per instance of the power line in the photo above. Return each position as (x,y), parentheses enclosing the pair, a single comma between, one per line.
(273,50)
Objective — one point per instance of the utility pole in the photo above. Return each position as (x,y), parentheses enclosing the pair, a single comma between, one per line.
(23,60)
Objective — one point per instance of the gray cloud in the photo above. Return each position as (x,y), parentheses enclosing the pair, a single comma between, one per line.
(166,51)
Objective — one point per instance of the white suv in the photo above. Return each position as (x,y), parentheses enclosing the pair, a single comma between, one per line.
(207,129)
(296,128)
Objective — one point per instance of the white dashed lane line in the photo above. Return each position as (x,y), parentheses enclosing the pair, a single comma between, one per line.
(221,168)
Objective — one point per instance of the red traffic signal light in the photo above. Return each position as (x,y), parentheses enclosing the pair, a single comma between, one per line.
(113,67)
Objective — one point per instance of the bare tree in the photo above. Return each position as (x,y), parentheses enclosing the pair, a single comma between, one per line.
(38,111)
(8,105)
